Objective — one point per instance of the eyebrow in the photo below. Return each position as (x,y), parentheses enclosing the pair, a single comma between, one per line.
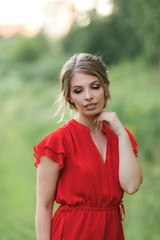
(78,86)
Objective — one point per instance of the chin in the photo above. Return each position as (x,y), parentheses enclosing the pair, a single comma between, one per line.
(92,113)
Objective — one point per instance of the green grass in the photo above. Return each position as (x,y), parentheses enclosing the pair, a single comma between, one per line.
(26,117)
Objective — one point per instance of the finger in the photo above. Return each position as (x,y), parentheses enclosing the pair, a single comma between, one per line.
(95,120)
(100,120)
(102,117)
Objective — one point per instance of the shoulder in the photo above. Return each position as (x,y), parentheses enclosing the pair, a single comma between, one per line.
(59,132)
(56,137)
(52,146)
(129,134)
(133,141)
(54,141)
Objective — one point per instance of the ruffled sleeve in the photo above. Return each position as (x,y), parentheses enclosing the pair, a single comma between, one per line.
(133,142)
(51,146)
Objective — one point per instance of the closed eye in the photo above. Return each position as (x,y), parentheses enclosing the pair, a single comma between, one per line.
(96,86)
(77,91)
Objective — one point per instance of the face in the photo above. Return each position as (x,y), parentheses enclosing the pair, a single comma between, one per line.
(87,94)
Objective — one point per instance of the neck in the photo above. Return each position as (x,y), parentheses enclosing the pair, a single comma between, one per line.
(88,122)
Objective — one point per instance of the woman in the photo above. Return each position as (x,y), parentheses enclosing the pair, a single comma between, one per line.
(87,164)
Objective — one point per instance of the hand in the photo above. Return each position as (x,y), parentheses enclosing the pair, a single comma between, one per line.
(112,120)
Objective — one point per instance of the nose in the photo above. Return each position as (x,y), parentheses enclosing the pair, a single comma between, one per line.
(88,95)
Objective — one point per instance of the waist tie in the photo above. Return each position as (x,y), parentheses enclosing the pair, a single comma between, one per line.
(119,206)
(70,207)
(122,211)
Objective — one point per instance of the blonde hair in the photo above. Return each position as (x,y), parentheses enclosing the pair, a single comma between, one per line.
(81,63)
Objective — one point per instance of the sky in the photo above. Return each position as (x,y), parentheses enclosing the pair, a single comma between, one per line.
(31,11)
(21,11)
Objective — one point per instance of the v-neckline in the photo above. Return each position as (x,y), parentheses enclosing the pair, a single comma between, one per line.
(106,131)
(106,150)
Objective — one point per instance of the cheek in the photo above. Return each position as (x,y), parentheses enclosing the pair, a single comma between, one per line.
(77,100)
(101,96)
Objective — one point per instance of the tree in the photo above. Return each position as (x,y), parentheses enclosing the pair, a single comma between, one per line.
(142,18)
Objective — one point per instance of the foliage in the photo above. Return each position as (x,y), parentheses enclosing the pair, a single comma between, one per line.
(142,19)
(136,85)
(104,37)
(131,30)
(30,59)
(29,49)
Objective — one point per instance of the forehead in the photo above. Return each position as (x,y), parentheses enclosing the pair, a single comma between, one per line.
(82,79)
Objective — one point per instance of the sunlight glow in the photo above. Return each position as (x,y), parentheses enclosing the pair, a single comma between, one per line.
(29,16)
(31,11)
(21,11)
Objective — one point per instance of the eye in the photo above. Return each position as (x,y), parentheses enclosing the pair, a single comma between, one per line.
(77,91)
(96,86)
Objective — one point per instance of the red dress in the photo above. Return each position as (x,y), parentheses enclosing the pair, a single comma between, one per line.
(88,189)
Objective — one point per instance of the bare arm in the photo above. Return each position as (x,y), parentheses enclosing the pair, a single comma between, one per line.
(130,174)
(47,177)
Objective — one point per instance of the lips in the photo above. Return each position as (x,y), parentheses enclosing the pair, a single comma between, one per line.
(90,105)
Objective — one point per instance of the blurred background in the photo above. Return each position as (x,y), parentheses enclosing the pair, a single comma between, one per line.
(36,38)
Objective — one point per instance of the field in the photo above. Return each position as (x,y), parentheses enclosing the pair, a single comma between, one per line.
(26,117)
